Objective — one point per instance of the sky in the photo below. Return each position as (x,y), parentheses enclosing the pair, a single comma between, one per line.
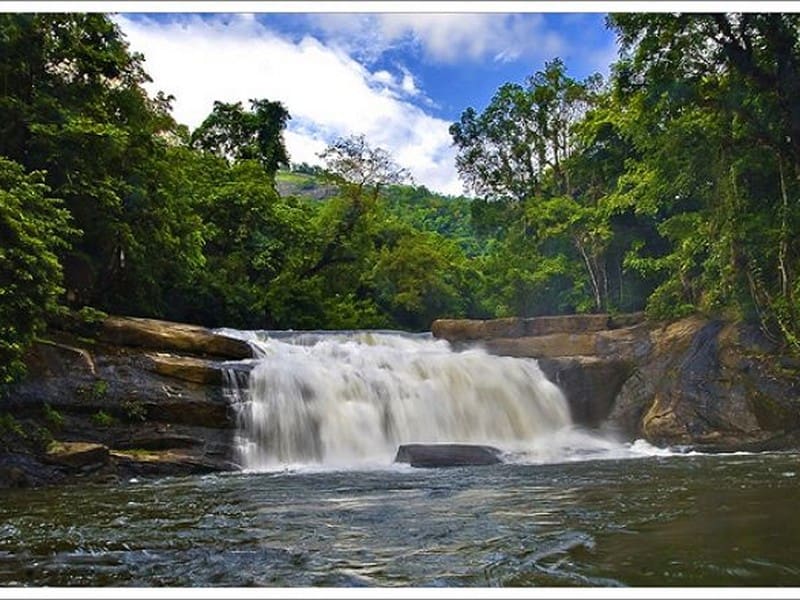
(400,79)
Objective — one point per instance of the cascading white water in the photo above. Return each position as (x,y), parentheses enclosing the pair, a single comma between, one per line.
(344,399)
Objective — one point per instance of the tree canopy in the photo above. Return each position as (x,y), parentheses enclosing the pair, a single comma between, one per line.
(671,187)
(237,134)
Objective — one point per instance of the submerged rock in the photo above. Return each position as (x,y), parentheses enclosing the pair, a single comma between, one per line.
(448,455)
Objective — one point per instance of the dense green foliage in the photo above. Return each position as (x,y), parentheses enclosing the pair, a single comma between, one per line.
(545,156)
(33,228)
(673,187)
(712,109)
(231,132)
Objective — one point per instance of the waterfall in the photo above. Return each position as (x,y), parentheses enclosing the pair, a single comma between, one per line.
(350,398)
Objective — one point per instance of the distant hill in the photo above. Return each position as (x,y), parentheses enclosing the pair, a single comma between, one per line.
(419,207)
(292,183)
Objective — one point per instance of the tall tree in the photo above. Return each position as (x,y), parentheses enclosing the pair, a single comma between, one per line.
(33,228)
(526,131)
(74,105)
(361,171)
(234,133)
(520,151)
(722,89)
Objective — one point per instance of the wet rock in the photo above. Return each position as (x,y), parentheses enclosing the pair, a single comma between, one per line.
(461,330)
(590,384)
(115,392)
(19,469)
(162,441)
(168,462)
(53,359)
(588,356)
(447,455)
(551,345)
(13,477)
(618,338)
(539,326)
(703,387)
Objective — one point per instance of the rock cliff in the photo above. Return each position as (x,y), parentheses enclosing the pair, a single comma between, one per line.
(127,397)
(130,397)
(699,383)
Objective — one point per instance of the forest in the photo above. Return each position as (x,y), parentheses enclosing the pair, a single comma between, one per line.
(671,187)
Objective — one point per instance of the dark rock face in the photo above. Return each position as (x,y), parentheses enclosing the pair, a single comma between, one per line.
(713,385)
(696,382)
(143,397)
(447,455)
(590,384)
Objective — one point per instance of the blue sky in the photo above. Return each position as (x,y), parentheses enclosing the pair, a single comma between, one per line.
(398,78)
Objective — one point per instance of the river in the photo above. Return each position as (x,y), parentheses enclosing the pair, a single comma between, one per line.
(320,502)
(652,521)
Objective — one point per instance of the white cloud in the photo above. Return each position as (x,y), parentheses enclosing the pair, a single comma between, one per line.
(383,77)
(444,37)
(327,92)
(408,84)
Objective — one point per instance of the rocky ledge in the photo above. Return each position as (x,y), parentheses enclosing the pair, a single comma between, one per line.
(697,382)
(122,398)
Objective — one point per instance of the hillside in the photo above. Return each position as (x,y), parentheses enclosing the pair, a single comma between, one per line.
(414,206)
(307,185)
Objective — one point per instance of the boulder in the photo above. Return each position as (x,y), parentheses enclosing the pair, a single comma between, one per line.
(538,326)
(130,395)
(18,469)
(171,337)
(77,455)
(51,358)
(125,384)
(465,330)
(587,360)
(551,345)
(622,337)
(172,462)
(13,477)
(186,368)
(461,330)
(447,455)
(710,384)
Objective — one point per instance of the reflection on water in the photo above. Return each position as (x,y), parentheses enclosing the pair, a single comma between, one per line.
(657,521)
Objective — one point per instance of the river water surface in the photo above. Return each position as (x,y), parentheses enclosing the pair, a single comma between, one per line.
(724,520)
(319,501)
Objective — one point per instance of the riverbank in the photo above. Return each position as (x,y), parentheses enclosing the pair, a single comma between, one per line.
(122,398)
